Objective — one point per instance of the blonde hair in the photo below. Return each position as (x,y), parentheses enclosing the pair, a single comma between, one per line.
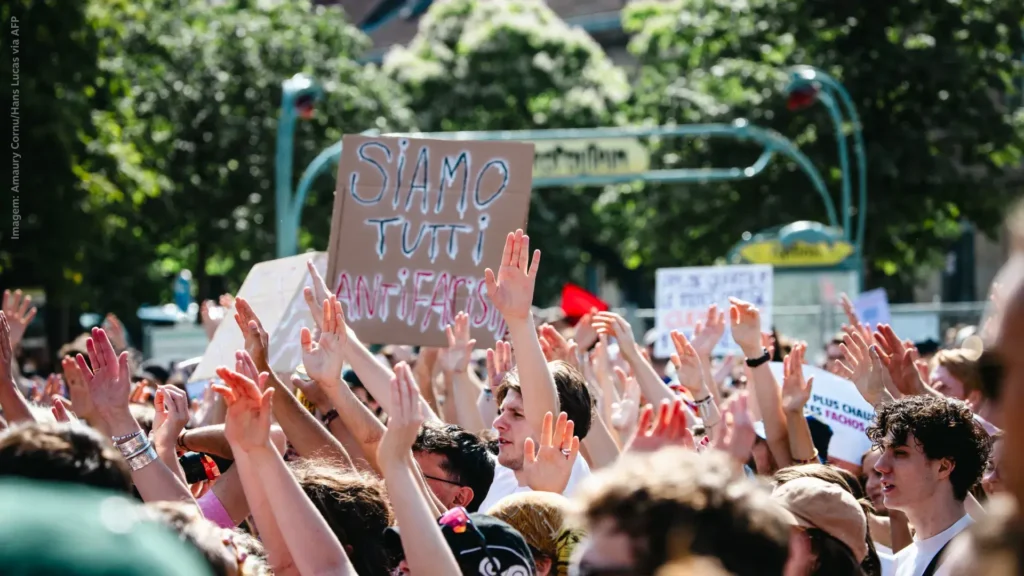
(542,519)
(963,365)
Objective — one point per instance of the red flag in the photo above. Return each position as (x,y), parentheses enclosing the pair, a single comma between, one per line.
(576,302)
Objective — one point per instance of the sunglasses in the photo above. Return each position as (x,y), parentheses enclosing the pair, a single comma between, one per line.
(458,521)
(445,480)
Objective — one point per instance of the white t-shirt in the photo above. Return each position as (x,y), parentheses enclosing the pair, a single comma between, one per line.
(505,482)
(914,559)
(886,559)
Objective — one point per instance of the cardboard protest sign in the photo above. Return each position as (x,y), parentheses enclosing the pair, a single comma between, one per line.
(682,297)
(274,290)
(835,401)
(415,224)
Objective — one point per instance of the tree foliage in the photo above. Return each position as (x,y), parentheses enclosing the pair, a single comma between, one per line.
(480,65)
(932,82)
(163,139)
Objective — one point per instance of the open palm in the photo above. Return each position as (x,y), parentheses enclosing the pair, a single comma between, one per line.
(547,468)
(688,364)
(512,290)
(796,391)
(323,359)
(247,422)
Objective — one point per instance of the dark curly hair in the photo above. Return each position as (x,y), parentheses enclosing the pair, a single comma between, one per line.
(466,457)
(944,428)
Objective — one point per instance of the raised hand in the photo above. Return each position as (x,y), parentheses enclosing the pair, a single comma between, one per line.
(707,334)
(61,410)
(211,316)
(109,378)
(19,312)
(745,321)
(688,366)
(81,398)
(115,331)
(547,467)
(499,363)
(851,318)
(899,359)
(512,290)
(172,415)
(323,359)
(556,347)
(404,420)
(455,359)
(313,392)
(6,352)
(626,411)
(611,324)
(257,341)
(670,428)
(586,335)
(316,295)
(796,391)
(857,366)
(738,435)
(247,423)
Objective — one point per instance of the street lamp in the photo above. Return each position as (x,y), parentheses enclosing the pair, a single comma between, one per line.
(299,95)
(808,85)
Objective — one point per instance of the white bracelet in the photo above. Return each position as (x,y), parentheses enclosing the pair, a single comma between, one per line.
(146,457)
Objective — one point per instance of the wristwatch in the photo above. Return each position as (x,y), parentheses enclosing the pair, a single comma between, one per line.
(755,362)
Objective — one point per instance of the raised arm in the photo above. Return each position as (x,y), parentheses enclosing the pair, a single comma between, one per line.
(305,433)
(310,541)
(652,386)
(11,400)
(512,293)
(426,551)
(796,392)
(109,382)
(745,320)
(466,387)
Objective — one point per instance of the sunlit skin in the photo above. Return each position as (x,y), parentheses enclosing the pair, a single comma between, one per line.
(992,480)
(1008,346)
(448,493)
(513,429)
(606,547)
(873,480)
(908,479)
(917,486)
(946,384)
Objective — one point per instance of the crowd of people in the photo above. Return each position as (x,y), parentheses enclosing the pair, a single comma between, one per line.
(566,448)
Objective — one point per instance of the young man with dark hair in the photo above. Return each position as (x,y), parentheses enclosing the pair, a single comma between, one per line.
(514,427)
(651,508)
(455,463)
(535,388)
(56,452)
(933,452)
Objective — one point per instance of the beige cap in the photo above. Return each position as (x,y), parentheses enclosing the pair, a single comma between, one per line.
(818,504)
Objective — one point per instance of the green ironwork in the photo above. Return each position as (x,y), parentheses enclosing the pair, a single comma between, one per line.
(840,107)
(772,143)
(293,90)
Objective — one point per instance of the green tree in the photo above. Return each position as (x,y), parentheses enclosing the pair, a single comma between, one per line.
(205,95)
(480,65)
(931,80)
(149,131)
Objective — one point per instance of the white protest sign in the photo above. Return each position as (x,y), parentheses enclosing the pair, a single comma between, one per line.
(274,290)
(873,307)
(836,402)
(682,297)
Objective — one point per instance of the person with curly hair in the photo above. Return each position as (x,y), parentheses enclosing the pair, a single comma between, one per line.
(933,452)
